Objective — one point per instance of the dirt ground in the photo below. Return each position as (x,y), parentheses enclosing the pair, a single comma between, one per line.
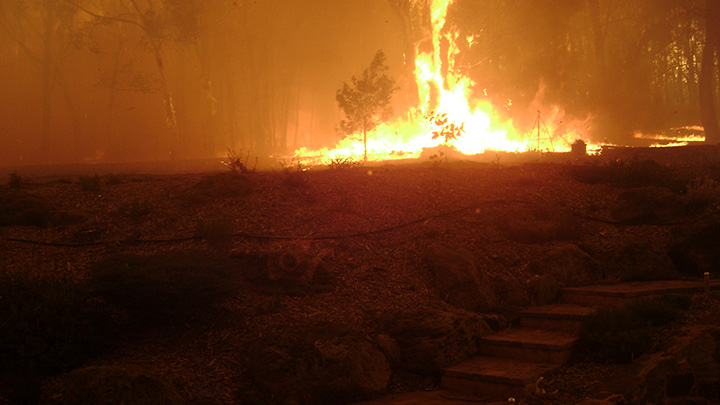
(369,224)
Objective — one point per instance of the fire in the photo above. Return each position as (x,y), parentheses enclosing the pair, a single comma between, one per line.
(450,93)
(684,136)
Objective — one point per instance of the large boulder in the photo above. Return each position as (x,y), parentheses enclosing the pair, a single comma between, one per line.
(318,364)
(431,339)
(115,385)
(568,264)
(513,290)
(458,279)
(640,261)
(539,224)
(286,272)
(545,289)
(647,205)
(698,250)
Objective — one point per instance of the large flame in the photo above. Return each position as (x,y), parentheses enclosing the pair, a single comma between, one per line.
(450,93)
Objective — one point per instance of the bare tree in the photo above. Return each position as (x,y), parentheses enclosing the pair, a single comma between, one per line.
(45,31)
(710,54)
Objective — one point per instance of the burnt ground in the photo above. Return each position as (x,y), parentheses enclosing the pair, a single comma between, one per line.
(371,228)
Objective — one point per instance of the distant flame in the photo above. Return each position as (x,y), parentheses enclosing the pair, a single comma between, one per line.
(686,136)
(452,94)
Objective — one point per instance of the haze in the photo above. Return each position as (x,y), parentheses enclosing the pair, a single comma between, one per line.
(102,81)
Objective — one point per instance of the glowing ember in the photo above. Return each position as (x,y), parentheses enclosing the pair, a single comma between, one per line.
(450,93)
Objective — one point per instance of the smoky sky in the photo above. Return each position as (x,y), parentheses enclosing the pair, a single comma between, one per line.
(96,81)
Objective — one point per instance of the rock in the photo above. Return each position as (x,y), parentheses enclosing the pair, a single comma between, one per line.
(116,385)
(701,350)
(640,261)
(647,205)
(286,272)
(709,388)
(568,264)
(513,291)
(318,364)
(458,279)
(431,339)
(604,398)
(507,258)
(390,347)
(698,251)
(539,224)
(679,385)
(546,289)
(686,401)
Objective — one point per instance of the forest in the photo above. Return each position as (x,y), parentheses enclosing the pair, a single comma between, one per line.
(98,81)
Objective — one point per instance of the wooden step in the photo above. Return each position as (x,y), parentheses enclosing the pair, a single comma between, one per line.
(618,295)
(563,317)
(532,345)
(494,378)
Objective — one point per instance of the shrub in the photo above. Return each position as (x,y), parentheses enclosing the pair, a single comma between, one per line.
(627,174)
(23,210)
(14,180)
(48,325)
(135,209)
(237,163)
(164,287)
(615,335)
(702,193)
(340,163)
(90,183)
(621,335)
(292,165)
(663,310)
(113,180)
(293,170)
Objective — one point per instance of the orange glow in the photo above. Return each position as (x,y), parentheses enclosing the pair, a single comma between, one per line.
(693,134)
(450,93)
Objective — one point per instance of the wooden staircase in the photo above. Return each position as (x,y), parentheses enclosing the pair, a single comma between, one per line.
(510,362)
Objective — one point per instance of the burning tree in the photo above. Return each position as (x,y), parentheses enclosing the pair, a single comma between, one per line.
(367,102)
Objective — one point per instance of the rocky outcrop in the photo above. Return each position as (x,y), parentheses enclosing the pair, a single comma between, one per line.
(640,261)
(459,281)
(564,265)
(568,264)
(539,224)
(687,372)
(286,272)
(115,385)
(431,339)
(318,364)
(698,250)
(647,205)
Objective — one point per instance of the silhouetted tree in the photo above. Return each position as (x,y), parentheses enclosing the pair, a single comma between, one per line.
(160,22)
(45,30)
(707,71)
(367,102)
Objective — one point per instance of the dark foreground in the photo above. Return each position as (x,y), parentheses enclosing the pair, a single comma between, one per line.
(325,285)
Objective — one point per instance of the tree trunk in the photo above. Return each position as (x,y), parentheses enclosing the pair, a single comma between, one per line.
(48,34)
(707,71)
(365,143)
(168,103)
